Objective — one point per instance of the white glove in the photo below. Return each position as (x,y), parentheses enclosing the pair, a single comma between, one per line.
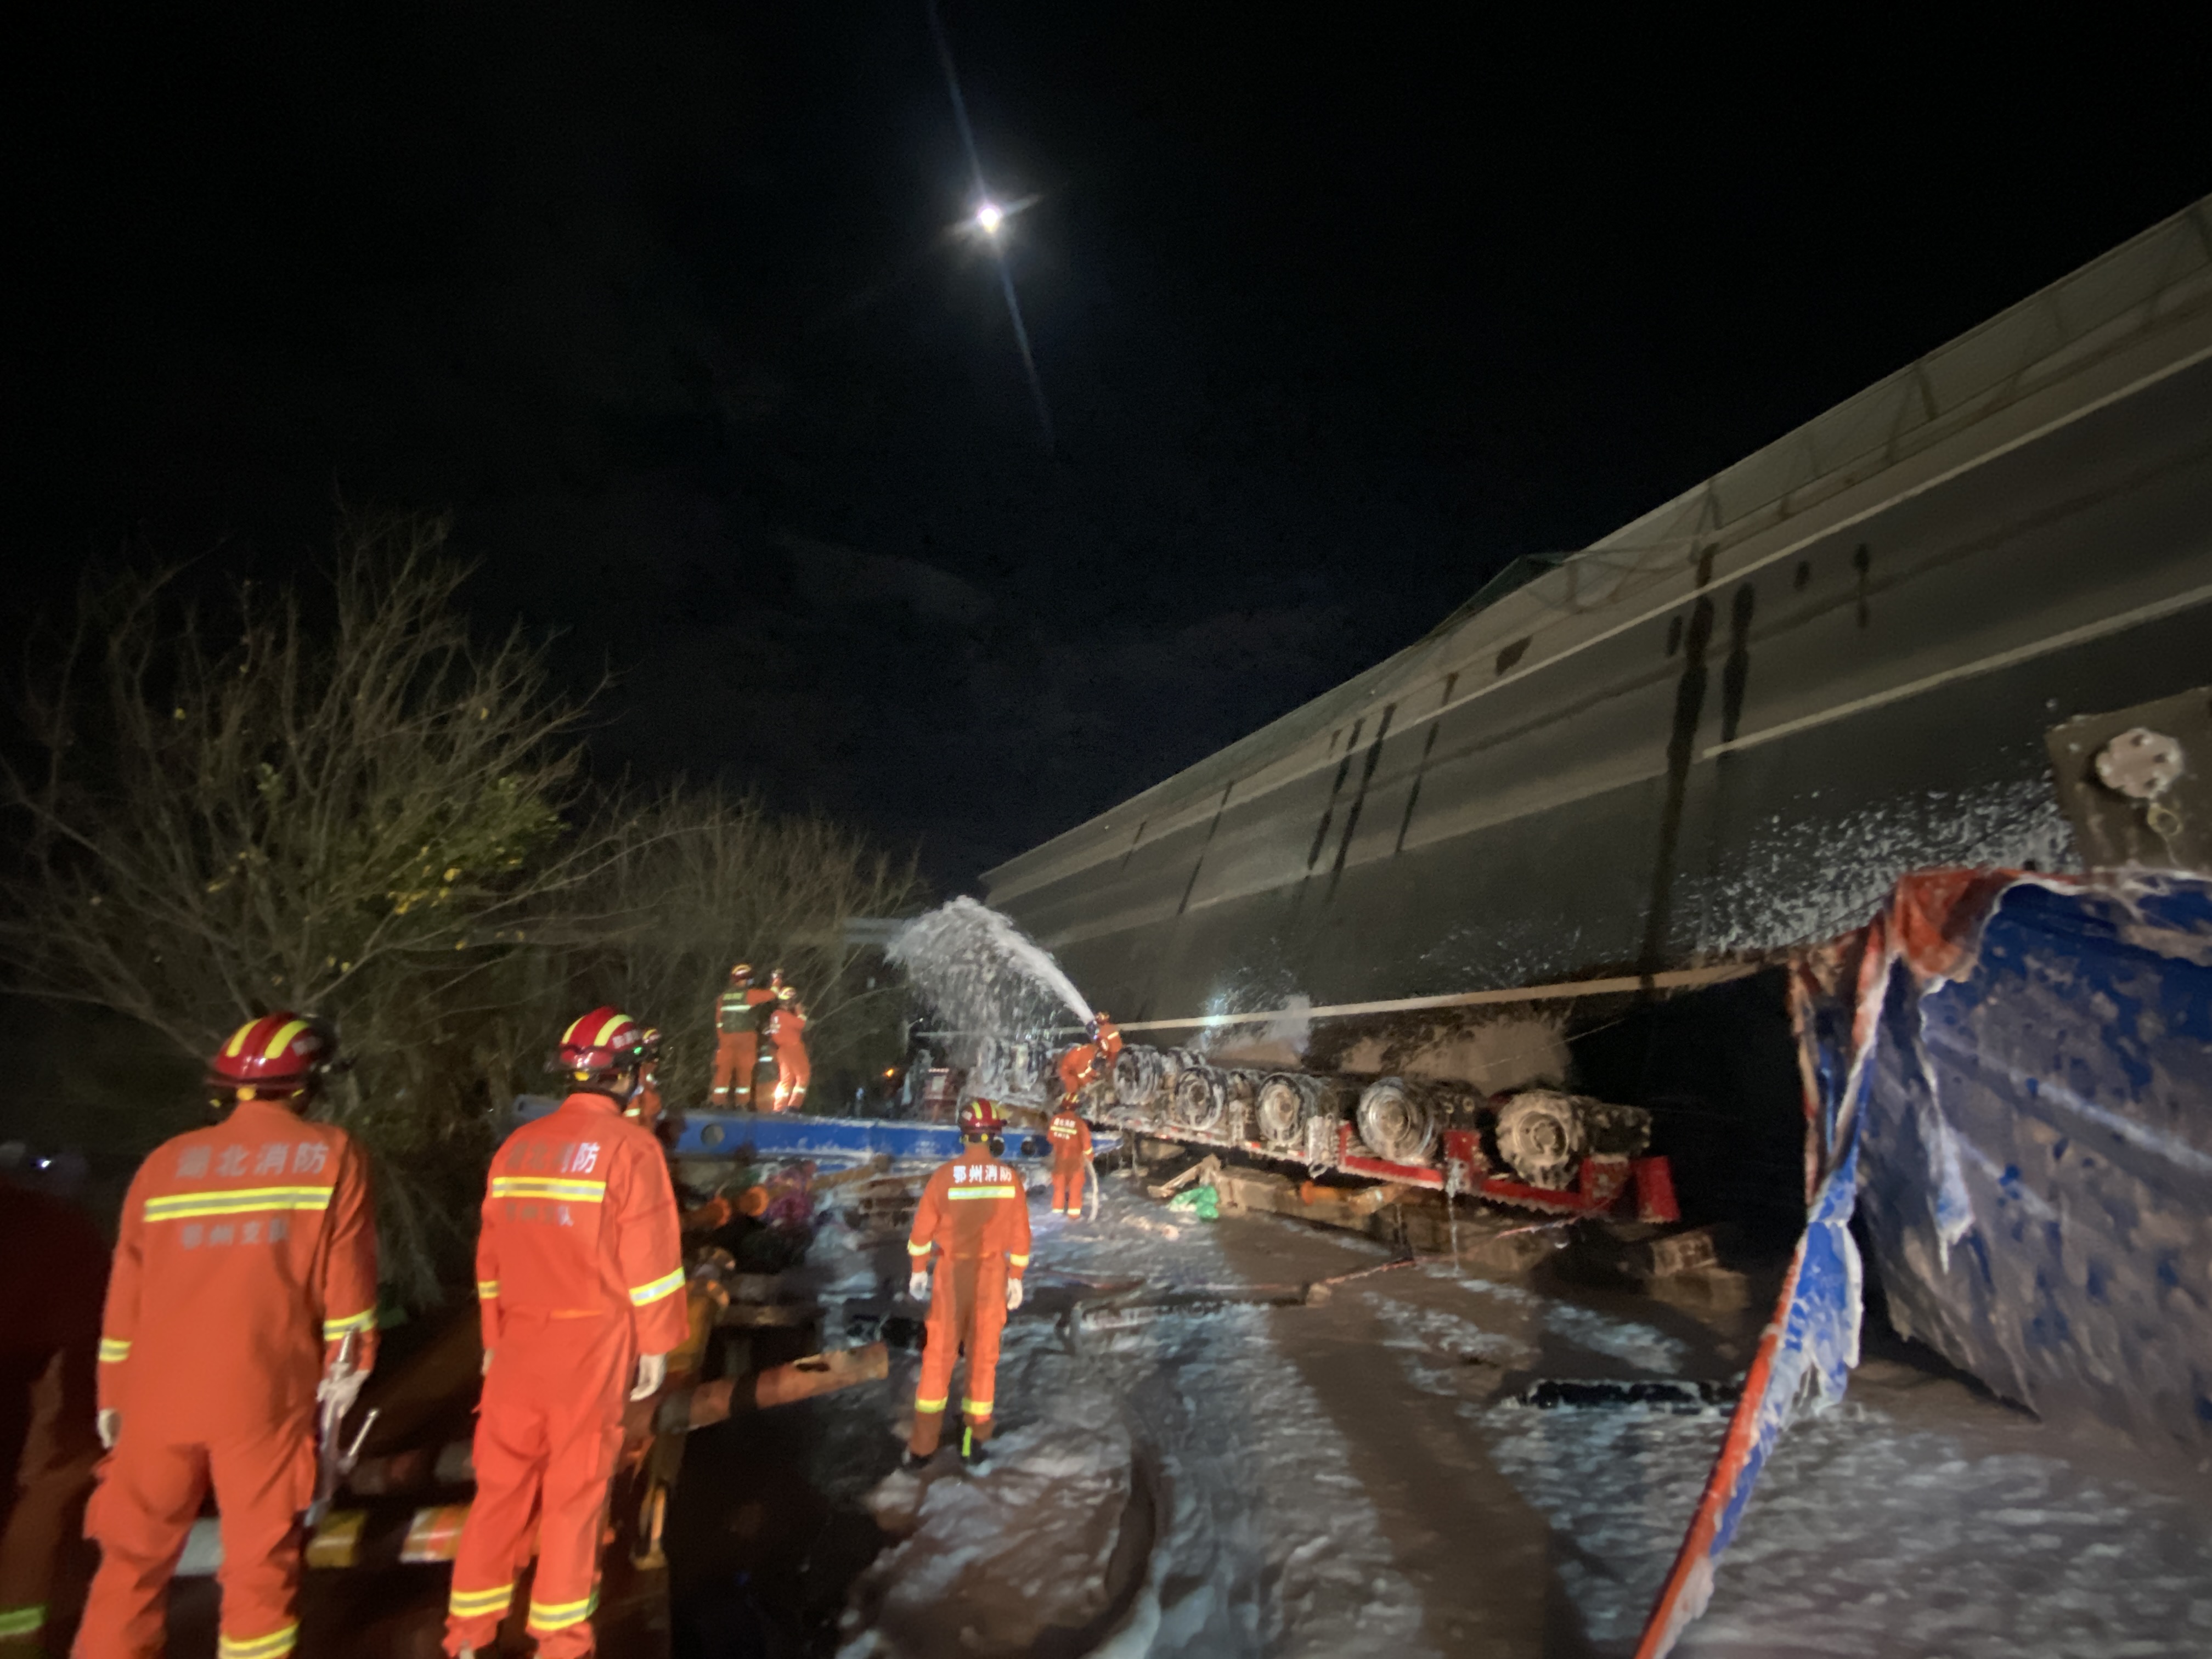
(344,1389)
(917,1285)
(651,1372)
(1013,1294)
(109,1423)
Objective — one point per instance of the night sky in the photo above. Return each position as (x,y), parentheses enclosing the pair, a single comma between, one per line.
(1337,312)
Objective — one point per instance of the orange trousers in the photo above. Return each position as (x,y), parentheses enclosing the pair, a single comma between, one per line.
(967,1309)
(150,1491)
(548,1434)
(792,1073)
(51,1481)
(1066,1188)
(734,1054)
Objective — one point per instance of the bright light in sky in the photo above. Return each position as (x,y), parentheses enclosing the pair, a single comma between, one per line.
(989,217)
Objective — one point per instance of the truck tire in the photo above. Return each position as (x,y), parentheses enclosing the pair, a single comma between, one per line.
(1542,1135)
(1397,1121)
(1286,1103)
(1137,1074)
(1201,1099)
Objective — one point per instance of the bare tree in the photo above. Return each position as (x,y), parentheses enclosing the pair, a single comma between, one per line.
(363,820)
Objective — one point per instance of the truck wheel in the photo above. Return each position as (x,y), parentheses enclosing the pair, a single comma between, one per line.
(1396,1123)
(1285,1101)
(1542,1137)
(1200,1096)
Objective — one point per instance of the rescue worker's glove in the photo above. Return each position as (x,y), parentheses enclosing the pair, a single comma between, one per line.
(1013,1294)
(343,1388)
(109,1425)
(487,1365)
(651,1372)
(917,1285)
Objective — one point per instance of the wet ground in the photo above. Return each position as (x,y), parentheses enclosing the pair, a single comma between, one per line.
(1358,1476)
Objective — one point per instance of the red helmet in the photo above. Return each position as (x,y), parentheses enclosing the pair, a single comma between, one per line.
(276,1052)
(981,1117)
(742,973)
(604,1040)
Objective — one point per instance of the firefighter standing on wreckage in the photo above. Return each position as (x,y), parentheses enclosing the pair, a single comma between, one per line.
(737,1013)
(969,1249)
(243,1279)
(1088,1060)
(784,1070)
(580,1278)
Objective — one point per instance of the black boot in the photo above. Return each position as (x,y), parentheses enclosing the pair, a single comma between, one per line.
(911,1463)
(971,1448)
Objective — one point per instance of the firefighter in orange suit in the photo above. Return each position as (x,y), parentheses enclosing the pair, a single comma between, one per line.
(1070,1156)
(51,1291)
(785,1070)
(246,1260)
(972,1227)
(1096,1058)
(580,1282)
(736,1038)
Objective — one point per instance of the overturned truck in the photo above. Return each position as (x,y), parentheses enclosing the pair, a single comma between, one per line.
(1678,783)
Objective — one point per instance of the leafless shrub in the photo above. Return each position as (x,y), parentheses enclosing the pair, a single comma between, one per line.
(376,820)
(704,879)
(364,820)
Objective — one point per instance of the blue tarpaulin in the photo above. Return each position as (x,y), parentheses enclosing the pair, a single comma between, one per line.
(2009,1077)
(2037,1184)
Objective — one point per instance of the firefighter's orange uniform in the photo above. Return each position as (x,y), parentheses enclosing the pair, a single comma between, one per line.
(246,1255)
(972,1227)
(1087,1060)
(737,1044)
(785,1069)
(1070,1156)
(579,1271)
(51,1290)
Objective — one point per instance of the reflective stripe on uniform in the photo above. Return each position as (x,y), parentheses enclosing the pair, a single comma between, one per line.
(259,1647)
(183,1207)
(559,1615)
(571,1192)
(487,1289)
(666,1285)
(335,1328)
(113,1350)
(975,1407)
(1013,1261)
(480,1604)
(936,1405)
(913,1249)
(984,1191)
(22,1622)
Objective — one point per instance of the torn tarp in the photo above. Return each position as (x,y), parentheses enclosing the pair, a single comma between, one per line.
(2012,1074)
(2037,1155)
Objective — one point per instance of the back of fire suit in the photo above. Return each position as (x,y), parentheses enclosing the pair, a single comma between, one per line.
(579,1271)
(1071,1158)
(737,1014)
(972,1228)
(247,1254)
